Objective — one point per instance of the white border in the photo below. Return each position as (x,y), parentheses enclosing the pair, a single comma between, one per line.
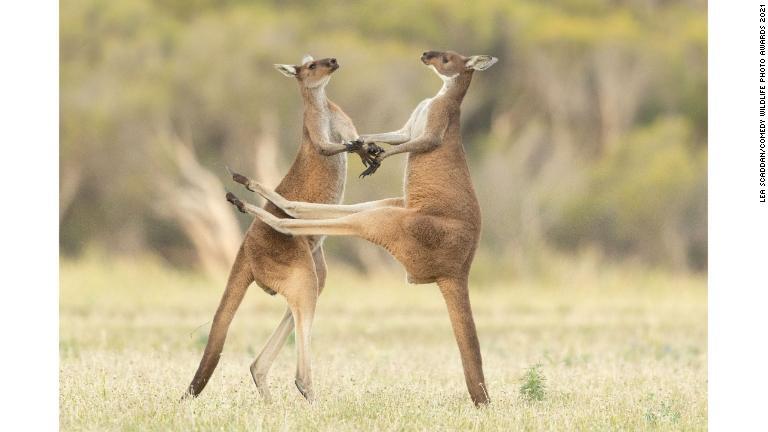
(29,155)
(738,239)
(738,224)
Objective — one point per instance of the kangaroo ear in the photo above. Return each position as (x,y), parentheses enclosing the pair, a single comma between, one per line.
(480,62)
(307,58)
(287,70)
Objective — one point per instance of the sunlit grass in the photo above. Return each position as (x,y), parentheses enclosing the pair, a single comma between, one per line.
(617,353)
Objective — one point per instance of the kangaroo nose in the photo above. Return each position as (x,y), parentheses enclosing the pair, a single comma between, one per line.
(333,61)
(424,54)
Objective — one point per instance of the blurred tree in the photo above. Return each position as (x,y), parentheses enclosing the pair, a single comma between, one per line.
(589,133)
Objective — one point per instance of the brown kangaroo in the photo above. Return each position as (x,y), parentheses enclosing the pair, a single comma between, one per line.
(278,263)
(434,229)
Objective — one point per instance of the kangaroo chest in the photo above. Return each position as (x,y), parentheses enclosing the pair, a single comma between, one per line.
(420,115)
(337,127)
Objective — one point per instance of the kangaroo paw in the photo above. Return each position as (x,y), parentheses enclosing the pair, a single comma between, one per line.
(353,145)
(374,149)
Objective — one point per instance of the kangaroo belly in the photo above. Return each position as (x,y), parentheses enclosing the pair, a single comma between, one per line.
(438,183)
(274,257)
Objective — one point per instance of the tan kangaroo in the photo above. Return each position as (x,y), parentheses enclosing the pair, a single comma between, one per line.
(434,229)
(278,263)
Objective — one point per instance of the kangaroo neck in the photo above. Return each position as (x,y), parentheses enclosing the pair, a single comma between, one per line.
(455,87)
(315,99)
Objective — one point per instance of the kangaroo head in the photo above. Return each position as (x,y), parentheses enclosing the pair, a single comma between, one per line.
(310,73)
(449,64)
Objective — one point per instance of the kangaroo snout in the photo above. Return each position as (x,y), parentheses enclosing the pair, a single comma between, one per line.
(426,55)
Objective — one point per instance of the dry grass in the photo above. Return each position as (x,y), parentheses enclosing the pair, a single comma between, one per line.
(617,352)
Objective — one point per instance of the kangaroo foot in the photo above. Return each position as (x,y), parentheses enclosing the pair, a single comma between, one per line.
(239,178)
(260,380)
(305,391)
(235,201)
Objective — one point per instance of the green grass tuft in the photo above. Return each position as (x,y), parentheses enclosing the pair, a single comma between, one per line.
(534,384)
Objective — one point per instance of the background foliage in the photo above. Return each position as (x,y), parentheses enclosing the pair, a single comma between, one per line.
(588,138)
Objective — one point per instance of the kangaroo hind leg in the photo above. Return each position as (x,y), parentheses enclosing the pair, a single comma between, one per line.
(263,362)
(301,294)
(307,210)
(369,224)
(265,359)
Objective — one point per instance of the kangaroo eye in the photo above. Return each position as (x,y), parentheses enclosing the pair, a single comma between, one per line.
(445,59)
(312,66)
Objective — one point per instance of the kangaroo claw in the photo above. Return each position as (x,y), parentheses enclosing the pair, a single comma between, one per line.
(369,153)
(372,167)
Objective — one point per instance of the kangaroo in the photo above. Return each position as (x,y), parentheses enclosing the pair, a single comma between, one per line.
(292,266)
(434,229)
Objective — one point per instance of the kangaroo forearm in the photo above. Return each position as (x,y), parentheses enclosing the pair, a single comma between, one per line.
(392,138)
(418,145)
(329,149)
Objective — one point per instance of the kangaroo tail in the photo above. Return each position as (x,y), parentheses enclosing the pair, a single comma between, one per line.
(240,277)
(456,295)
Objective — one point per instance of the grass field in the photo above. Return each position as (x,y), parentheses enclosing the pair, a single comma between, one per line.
(618,351)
